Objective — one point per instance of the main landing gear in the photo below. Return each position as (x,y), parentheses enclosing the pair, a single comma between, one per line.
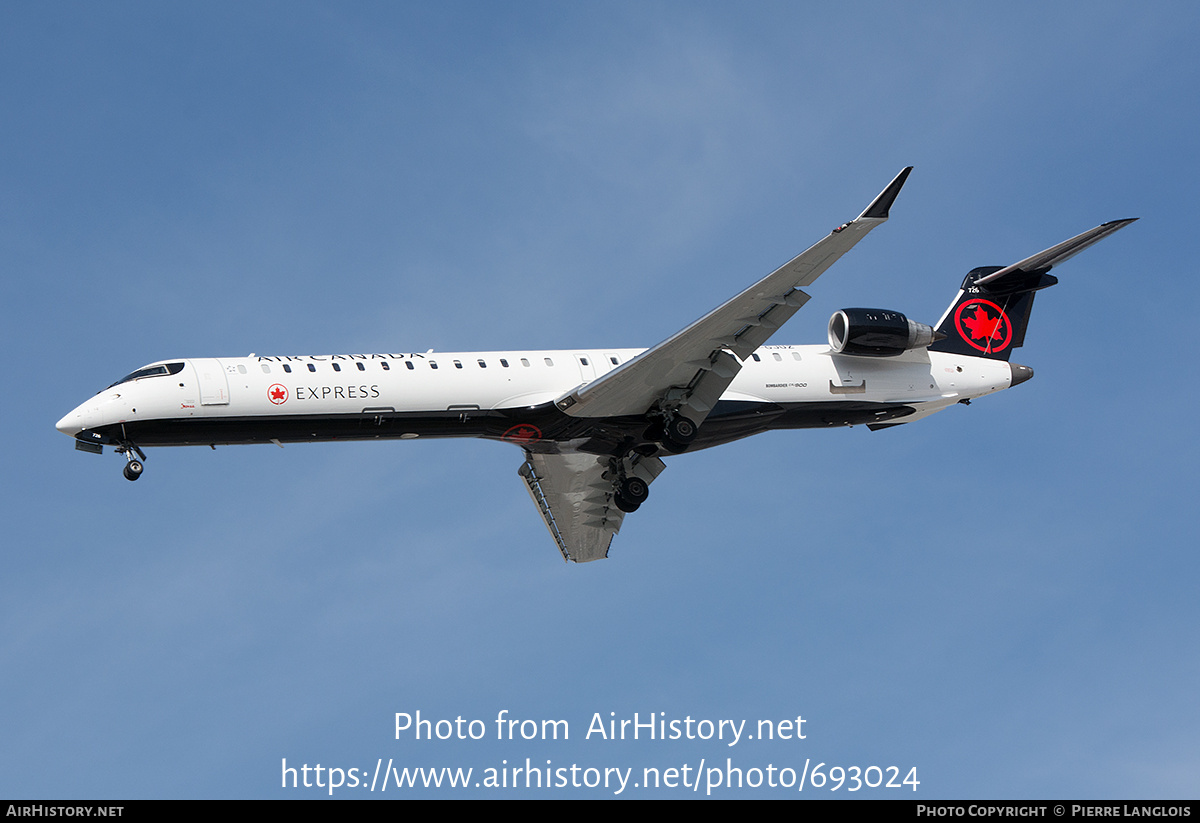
(681,432)
(631,493)
(675,434)
(632,473)
(133,466)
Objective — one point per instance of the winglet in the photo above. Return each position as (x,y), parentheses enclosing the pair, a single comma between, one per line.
(878,210)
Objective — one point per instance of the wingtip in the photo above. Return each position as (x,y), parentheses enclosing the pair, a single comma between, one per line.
(881,205)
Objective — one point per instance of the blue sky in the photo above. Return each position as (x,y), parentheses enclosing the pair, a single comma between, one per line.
(1002,596)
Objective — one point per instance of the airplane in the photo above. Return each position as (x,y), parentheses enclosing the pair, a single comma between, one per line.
(595,425)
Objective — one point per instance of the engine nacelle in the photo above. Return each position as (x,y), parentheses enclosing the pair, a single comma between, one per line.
(876,333)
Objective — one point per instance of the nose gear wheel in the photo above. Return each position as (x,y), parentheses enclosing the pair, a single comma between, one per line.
(133,466)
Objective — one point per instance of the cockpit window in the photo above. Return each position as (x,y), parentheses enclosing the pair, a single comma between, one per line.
(150,371)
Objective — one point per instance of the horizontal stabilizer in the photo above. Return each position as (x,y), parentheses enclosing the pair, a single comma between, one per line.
(1043,261)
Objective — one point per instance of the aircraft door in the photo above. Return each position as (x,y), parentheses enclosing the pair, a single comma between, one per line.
(214,388)
(587,368)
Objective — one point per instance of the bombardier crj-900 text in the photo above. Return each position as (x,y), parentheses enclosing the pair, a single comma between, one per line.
(594,425)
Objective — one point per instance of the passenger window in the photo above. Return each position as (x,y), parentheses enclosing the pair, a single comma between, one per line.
(757,359)
(776,355)
(432,364)
(457,364)
(311,367)
(336,367)
(385,365)
(410,365)
(482,365)
(241,369)
(583,361)
(266,369)
(549,362)
(613,360)
(503,362)
(795,355)
(524,362)
(361,367)
(287,368)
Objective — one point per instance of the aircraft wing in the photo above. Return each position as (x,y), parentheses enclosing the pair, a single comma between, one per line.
(574,495)
(693,367)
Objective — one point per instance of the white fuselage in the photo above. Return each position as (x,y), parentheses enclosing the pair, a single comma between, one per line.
(259,390)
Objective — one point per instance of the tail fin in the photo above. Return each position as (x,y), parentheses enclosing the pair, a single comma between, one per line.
(989,316)
(986,322)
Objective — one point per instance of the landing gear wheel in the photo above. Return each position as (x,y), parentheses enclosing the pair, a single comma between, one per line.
(634,489)
(631,493)
(132,470)
(681,430)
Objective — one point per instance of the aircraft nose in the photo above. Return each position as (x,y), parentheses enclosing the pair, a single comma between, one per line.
(67,424)
(71,423)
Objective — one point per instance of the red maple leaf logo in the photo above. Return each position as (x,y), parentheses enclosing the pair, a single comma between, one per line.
(277,394)
(983,327)
(523,433)
(986,322)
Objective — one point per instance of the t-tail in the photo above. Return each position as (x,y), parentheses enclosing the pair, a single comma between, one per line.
(989,316)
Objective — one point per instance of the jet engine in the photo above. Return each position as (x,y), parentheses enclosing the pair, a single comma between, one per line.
(877,333)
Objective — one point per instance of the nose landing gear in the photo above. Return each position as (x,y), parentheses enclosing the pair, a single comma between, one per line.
(133,466)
